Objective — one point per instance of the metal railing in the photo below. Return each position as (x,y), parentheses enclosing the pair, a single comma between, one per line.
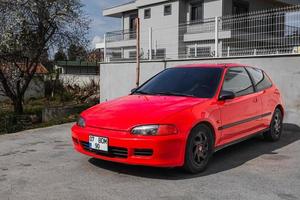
(259,33)
(120,35)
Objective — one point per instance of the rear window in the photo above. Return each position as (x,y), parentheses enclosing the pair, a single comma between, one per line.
(260,79)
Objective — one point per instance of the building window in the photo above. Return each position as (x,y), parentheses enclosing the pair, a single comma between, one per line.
(201,52)
(240,7)
(132,54)
(147,13)
(168,10)
(160,53)
(196,11)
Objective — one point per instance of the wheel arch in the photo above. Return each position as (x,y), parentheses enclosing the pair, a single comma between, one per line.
(280,107)
(209,125)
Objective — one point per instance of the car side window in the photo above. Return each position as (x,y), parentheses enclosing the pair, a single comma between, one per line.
(260,79)
(238,81)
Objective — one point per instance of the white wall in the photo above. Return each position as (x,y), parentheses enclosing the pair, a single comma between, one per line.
(165,28)
(117,79)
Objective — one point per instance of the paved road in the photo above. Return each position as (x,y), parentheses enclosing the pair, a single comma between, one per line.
(41,164)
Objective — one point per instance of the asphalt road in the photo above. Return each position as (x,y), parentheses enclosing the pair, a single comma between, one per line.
(41,164)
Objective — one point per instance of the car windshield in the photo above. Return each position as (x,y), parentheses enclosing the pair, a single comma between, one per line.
(201,82)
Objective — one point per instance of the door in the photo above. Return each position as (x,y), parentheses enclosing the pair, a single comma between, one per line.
(132,27)
(240,116)
(263,86)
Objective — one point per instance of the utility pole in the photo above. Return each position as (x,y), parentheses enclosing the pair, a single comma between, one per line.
(138,49)
(150,43)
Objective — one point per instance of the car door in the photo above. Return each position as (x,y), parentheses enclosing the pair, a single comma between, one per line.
(263,86)
(239,116)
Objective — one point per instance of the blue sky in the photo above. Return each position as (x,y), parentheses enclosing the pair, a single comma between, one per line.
(100,24)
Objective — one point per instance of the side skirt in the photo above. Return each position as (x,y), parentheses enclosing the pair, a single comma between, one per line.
(218,148)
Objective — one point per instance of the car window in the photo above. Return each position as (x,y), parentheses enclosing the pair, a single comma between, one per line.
(238,81)
(260,79)
(184,81)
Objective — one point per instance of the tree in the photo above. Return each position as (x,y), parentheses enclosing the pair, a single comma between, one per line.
(60,55)
(29,28)
(76,52)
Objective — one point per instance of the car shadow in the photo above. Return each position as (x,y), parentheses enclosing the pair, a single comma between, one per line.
(226,159)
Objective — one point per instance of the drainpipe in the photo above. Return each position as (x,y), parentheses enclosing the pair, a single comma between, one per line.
(216,36)
(104,53)
(138,49)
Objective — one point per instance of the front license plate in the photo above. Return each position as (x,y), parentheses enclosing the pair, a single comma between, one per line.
(98,143)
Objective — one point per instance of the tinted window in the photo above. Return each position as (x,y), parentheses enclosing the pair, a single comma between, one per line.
(168,10)
(198,82)
(260,79)
(147,13)
(238,81)
(196,12)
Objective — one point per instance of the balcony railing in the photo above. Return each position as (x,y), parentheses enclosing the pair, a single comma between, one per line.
(120,35)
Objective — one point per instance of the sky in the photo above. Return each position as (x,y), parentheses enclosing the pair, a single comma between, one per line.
(100,24)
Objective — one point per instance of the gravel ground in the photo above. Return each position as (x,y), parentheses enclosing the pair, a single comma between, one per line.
(41,164)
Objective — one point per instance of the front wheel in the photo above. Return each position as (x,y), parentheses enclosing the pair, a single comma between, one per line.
(199,149)
(275,131)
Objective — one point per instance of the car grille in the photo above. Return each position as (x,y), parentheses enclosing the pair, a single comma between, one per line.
(143,152)
(112,151)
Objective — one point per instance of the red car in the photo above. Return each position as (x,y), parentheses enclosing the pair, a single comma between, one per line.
(181,116)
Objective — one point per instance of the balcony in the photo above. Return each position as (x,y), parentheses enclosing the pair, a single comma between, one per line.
(122,38)
(204,30)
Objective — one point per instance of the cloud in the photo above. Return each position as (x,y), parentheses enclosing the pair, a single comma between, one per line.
(95,40)
(100,24)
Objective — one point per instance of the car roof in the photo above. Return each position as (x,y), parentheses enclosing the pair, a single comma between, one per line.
(215,65)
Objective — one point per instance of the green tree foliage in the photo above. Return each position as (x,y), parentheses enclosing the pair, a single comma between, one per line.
(60,55)
(76,52)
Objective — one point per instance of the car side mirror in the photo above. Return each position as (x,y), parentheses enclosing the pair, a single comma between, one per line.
(225,95)
(133,90)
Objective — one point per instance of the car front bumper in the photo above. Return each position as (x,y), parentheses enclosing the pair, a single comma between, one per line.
(158,151)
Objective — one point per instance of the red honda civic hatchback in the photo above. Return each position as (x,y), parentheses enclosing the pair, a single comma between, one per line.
(181,116)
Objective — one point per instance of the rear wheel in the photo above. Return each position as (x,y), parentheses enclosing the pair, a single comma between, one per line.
(276,126)
(199,149)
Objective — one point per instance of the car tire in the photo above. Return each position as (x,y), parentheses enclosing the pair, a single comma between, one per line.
(199,149)
(275,130)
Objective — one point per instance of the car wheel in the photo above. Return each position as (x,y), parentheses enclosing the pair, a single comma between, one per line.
(199,149)
(275,131)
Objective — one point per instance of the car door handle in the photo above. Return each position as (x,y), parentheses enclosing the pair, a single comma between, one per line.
(255,100)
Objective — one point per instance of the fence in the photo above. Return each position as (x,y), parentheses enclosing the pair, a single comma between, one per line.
(268,32)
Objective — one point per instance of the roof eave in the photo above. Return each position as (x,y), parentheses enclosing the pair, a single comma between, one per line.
(118,11)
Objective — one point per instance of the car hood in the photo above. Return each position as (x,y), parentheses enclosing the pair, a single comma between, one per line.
(127,112)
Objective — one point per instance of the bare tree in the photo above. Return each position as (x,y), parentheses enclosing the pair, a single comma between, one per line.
(29,28)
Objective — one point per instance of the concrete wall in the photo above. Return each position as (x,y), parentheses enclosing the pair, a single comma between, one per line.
(164,28)
(117,79)
(80,80)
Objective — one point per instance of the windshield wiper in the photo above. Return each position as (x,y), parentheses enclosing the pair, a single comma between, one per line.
(175,94)
(142,92)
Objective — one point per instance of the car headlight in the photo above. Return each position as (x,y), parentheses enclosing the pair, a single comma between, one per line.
(81,122)
(151,130)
